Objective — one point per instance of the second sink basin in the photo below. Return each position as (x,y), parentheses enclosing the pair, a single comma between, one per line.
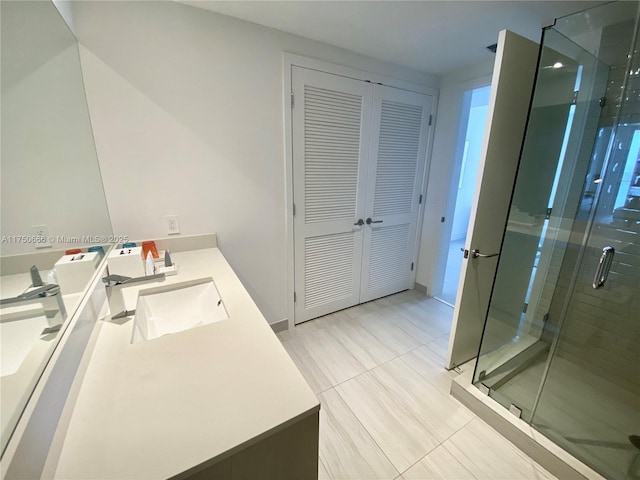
(175,308)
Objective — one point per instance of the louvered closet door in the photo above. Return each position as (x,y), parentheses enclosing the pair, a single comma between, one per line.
(398,151)
(330,121)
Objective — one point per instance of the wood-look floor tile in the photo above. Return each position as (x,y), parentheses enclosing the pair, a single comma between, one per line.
(339,317)
(404,297)
(439,413)
(439,464)
(440,346)
(401,407)
(433,305)
(488,455)
(310,370)
(412,326)
(433,322)
(334,360)
(358,310)
(395,338)
(285,335)
(398,432)
(383,302)
(441,310)
(323,474)
(441,315)
(366,348)
(431,367)
(347,451)
(311,326)
(372,306)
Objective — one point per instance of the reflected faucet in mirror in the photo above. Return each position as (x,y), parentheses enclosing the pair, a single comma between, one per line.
(48,295)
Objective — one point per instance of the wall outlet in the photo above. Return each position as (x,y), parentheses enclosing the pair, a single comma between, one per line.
(40,236)
(171,224)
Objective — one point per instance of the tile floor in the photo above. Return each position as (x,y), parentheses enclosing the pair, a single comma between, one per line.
(386,409)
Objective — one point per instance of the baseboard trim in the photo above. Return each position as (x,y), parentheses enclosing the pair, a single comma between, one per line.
(420,288)
(280,325)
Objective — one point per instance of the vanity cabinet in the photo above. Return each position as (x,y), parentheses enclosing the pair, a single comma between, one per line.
(289,453)
(222,400)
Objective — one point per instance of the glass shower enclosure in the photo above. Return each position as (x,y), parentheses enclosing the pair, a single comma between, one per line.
(561,342)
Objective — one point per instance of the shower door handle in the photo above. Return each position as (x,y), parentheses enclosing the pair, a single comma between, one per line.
(602,272)
(475,253)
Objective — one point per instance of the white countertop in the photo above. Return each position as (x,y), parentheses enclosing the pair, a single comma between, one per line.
(158,408)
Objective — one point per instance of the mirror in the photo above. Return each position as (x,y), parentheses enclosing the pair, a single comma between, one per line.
(51,196)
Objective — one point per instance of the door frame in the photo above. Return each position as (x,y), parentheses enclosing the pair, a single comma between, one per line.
(449,210)
(289,60)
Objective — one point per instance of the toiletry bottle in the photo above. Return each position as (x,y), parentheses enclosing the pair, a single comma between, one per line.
(150,266)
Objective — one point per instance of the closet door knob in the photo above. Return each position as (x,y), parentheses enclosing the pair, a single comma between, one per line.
(369,221)
(360,222)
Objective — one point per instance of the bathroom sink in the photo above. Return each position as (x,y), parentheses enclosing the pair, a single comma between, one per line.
(20,328)
(175,308)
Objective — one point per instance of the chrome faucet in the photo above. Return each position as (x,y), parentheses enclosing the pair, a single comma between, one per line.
(114,285)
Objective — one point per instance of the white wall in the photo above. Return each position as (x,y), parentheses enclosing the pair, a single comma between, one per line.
(452,88)
(50,173)
(187,110)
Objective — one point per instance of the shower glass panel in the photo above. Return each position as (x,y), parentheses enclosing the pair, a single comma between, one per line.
(558,148)
(561,342)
